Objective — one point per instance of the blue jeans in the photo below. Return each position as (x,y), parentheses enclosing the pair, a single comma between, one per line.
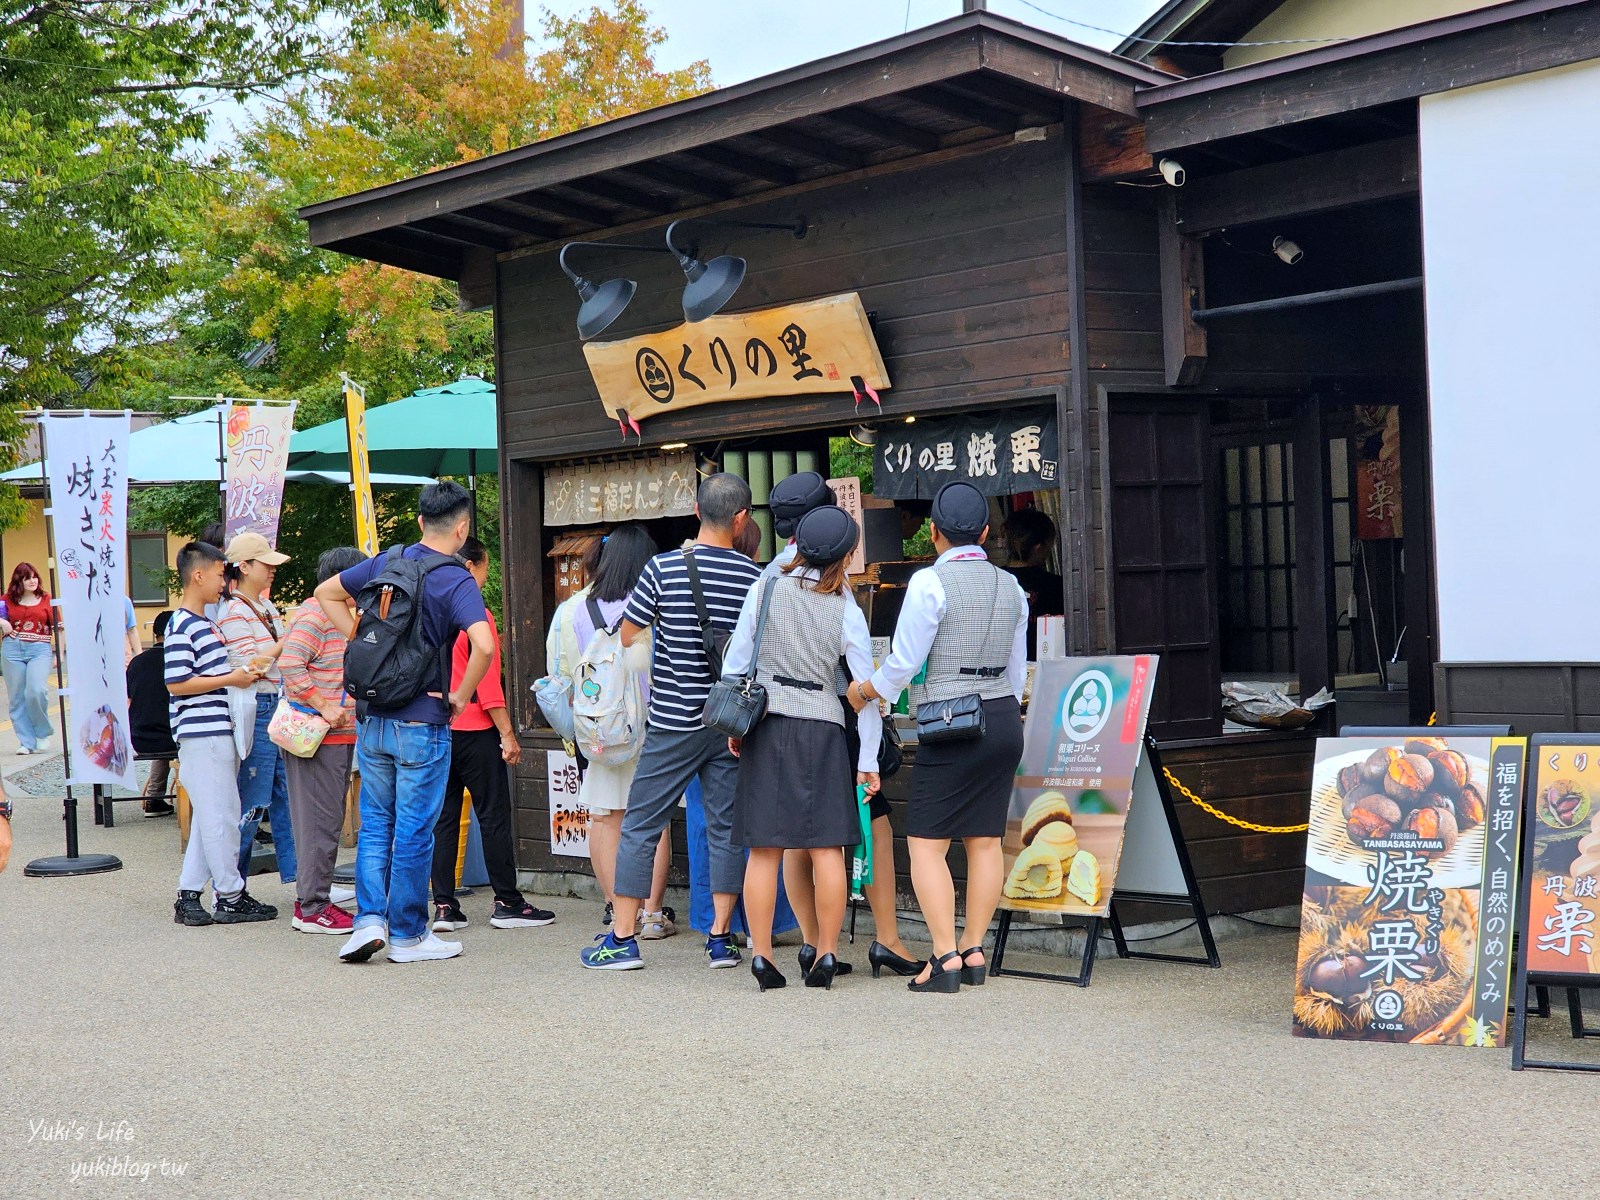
(264,790)
(404,766)
(26,666)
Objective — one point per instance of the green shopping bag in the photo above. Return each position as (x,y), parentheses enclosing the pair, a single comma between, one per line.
(861,856)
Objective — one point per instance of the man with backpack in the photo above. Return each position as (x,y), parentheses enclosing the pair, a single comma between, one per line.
(411,602)
(483,745)
(691,599)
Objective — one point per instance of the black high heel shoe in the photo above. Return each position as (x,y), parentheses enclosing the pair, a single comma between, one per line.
(880,956)
(808,959)
(822,974)
(974,975)
(943,979)
(767,975)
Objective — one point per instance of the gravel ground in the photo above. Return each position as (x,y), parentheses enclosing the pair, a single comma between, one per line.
(253,1061)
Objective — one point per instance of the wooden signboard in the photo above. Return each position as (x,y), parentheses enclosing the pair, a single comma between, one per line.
(811,348)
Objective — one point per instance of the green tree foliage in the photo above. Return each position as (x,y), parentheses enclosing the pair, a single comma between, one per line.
(409,96)
(104,106)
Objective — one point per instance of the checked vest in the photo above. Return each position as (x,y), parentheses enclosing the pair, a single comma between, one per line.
(972,649)
(799,652)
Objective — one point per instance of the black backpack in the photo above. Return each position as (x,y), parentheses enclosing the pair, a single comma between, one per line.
(389,661)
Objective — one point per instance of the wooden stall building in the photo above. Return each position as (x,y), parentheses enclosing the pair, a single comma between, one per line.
(1220,390)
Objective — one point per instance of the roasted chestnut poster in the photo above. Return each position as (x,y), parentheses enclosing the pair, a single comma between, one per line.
(1081,744)
(1563,935)
(1407,918)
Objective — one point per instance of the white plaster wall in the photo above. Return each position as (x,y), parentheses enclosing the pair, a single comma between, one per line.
(1511,236)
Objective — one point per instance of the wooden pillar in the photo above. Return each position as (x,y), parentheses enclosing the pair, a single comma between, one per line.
(1072,414)
(1316,635)
(1416,498)
(1183,289)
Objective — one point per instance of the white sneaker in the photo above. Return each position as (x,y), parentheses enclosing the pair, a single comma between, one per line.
(366,941)
(24,750)
(43,747)
(427,950)
(341,895)
(655,926)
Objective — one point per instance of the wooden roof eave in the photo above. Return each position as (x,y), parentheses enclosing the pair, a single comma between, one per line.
(410,223)
(1470,48)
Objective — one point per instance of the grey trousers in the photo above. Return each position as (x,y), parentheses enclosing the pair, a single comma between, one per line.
(667,762)
(316,813)
(210,770)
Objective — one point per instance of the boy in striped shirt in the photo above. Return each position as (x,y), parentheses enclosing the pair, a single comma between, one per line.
(196,671)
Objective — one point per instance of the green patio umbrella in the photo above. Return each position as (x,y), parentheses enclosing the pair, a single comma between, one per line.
(449,430)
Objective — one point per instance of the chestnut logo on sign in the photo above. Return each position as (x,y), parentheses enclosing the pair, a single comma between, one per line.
(1087,706)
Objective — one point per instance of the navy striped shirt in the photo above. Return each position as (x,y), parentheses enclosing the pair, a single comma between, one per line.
(680,679)
(194,647)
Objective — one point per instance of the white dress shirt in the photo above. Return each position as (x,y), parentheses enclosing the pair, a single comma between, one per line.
(855,644)
(920,615)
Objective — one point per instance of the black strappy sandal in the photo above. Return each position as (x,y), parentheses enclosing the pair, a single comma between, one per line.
(943,978)
(973,976)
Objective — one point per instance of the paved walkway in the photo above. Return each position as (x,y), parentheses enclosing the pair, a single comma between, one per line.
(252,1060)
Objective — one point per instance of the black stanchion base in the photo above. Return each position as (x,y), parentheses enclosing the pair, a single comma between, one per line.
(345,873)
(66,864)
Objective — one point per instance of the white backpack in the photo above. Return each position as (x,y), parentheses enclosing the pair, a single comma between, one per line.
(607,702)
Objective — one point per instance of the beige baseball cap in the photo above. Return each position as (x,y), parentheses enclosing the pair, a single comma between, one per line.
(252,547)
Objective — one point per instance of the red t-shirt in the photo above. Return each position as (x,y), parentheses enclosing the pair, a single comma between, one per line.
(490,694)
(31,622)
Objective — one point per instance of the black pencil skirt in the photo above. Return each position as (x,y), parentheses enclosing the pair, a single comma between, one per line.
(793,791)
(963,789)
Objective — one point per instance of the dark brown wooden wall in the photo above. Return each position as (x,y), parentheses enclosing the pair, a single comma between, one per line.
(1530,697)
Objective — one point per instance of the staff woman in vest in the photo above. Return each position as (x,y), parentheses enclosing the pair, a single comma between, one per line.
(967,620)
(791,764)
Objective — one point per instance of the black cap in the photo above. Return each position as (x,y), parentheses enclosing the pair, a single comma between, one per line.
(825,535)
(960,508)
(794,497)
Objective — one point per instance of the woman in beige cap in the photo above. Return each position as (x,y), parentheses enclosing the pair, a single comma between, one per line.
(252,630)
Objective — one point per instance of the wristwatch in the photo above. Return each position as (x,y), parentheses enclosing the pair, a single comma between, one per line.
(5,807)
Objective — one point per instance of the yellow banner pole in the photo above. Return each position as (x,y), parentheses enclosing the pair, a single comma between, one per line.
(355,420)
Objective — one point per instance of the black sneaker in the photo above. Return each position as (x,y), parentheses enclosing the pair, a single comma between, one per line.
(671,913)
(447,918)
(519,916)
(606,920)
(243,907)
(187,910)
(159,808)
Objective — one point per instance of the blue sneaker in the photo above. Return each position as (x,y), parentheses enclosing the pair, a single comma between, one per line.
(608,954)
(721,950)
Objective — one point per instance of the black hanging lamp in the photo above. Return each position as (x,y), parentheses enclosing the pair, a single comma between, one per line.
(601,304)
(712,284)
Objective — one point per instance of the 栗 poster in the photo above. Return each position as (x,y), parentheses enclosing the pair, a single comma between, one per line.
(1563,936)
(1407,918)
(1069,808)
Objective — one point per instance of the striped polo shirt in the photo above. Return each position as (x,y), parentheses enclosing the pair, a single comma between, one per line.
(680,679)
(194,647)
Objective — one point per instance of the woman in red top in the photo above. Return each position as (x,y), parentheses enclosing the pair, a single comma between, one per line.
(26,626)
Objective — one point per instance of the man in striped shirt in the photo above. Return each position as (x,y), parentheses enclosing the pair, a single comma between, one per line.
(677,745)
(196,671)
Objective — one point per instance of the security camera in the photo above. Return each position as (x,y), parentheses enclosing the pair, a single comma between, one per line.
(1288,251)
(1172,171)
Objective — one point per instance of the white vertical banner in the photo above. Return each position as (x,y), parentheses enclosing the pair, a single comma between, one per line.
(258,454)
(86,460)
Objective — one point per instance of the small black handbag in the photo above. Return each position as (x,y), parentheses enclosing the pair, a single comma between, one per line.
(736,703)
(890,754)
(956,720)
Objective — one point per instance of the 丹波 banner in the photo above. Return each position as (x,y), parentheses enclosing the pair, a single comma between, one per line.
(86,458)
(258,455)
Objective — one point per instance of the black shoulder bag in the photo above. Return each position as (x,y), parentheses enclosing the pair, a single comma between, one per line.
(713,639)
(737,703)
(959,719)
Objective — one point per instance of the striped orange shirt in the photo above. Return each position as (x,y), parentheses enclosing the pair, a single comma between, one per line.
(313,667)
